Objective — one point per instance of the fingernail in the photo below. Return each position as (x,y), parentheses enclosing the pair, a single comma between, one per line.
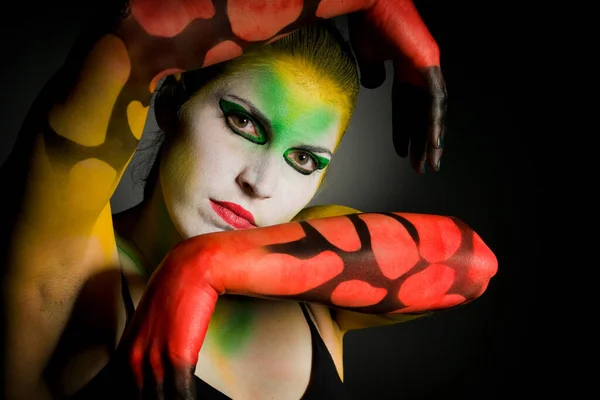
(440,142)
(439,163)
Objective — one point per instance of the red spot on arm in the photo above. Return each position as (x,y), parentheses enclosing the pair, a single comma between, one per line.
(357,293)
(338,231)
(263,274)
(161,75)
(394,249)
(168,18)
(254,20)
(426,290)
(439,236)
(333,8)
(222,52)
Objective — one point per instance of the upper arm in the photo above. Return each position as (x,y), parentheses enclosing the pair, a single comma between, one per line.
(72,150)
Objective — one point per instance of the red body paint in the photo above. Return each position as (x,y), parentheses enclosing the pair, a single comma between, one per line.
(151,14)
(222,52)
(329,8)
(340,232)
(401,25)
(371,263)
(357,294)
(254,20)
(386,240)
(297,261)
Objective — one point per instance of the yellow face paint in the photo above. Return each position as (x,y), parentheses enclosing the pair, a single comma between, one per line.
(300,101)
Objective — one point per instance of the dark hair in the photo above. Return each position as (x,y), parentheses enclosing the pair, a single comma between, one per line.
(319,44)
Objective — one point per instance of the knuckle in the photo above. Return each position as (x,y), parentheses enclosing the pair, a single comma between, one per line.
(136,355)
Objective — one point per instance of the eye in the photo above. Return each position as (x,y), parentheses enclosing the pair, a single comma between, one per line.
(240,122)
(304,162)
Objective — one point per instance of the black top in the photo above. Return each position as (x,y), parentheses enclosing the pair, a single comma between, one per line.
(324,383)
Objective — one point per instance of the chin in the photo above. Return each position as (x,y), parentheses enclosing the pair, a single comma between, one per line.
(202,229)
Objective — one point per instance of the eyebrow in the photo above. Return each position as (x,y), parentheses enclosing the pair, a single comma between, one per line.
(316,149)
(266,122)
(254,111)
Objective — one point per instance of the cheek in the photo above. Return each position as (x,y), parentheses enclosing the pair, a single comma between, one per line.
(177,170)
(202,161)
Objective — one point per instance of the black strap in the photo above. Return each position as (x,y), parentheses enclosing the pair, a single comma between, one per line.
(127,300)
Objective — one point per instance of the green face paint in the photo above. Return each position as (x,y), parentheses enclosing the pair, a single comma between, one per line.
(232,325)
(293,113)
(296,117)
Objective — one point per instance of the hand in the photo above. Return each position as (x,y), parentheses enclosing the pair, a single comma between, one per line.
(393,30)
(163,339)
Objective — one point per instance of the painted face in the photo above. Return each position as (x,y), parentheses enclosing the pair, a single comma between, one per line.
(252,151)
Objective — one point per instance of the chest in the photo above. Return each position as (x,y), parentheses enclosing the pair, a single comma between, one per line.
(256,348)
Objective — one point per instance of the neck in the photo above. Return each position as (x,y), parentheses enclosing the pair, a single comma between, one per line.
(148,227)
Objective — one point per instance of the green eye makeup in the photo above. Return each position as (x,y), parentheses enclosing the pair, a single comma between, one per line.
(318,161)
(237,117)
(234,110)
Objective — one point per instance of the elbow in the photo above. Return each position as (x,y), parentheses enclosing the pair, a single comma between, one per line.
(481,268)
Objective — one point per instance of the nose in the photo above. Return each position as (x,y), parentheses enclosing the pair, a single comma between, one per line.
(259,180)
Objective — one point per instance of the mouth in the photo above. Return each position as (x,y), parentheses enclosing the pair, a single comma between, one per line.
(234,214)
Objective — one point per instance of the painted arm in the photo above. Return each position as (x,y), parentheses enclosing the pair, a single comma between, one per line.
(79,137)
(395,31)
(372,263)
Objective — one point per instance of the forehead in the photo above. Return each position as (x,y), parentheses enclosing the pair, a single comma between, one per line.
(300,104)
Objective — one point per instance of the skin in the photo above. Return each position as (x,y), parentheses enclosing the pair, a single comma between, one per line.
(251,137)
(216,156)
(393,265)
(61,258)
(396,266)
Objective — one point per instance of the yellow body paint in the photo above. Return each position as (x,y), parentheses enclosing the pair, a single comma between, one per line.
(85,115)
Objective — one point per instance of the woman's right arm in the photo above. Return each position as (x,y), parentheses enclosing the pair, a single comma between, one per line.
(71,151)
(79,137)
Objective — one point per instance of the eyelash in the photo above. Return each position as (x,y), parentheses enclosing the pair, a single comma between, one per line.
(301,170)
(251,120)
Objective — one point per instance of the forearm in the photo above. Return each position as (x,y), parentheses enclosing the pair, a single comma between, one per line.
(372,263)
(30,335)
(408,32)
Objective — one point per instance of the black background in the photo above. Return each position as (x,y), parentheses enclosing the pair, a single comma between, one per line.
(487,180)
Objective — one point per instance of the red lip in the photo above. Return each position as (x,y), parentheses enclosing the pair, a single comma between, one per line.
(234,214)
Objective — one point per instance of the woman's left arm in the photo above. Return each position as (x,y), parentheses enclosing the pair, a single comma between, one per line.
(395,264)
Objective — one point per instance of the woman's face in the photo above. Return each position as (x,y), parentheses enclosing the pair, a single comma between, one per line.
(252,150)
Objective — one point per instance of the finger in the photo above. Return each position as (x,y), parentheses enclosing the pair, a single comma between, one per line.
(152,387)
(372,73)
(434,80)
(410,105)
(434,158)
(135,362)
(125,383)
(371,70)
(418,155)
(179,381)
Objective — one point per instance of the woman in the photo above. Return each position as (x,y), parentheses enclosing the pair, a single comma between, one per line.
(245,148)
